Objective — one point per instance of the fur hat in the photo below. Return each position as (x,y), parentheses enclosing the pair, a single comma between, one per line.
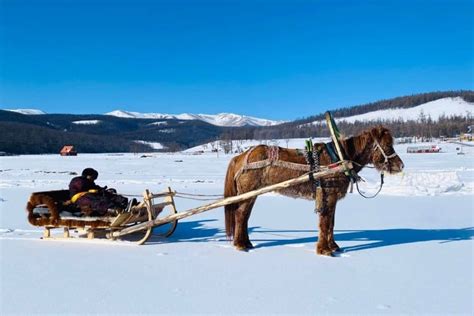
(89,172)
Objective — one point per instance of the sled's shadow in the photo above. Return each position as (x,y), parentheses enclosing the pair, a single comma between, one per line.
(191,231)
(370,239)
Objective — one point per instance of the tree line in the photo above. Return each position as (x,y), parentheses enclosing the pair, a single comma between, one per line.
(422,126)
(21,138)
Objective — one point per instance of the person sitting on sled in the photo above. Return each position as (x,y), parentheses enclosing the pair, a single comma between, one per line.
(94,200)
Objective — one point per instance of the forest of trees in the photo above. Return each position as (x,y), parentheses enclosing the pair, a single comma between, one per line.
(423,126)
(20,138)
(427,128)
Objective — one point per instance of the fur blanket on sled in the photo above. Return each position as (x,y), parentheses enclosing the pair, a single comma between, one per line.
(55,201)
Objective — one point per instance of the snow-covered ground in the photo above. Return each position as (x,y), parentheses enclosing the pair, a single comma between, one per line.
(87,122)
(153,145)
(408,251)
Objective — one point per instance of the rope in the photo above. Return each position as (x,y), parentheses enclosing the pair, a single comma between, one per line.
(182,194)
(198,197)
(193,198)
(191,194)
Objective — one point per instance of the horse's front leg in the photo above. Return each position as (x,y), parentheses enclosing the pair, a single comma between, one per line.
(326,244)
(331,242)
(322,247)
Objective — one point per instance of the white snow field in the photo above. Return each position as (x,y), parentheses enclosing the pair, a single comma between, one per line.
(408,251)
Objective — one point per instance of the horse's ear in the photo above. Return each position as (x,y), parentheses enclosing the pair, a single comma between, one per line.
(377,132)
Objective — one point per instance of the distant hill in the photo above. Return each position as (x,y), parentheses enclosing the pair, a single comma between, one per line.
(404,102)
(435,110)
(428,114)
(47,133)
(433,114)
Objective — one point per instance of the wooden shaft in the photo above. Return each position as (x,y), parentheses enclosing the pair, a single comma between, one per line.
(230,200)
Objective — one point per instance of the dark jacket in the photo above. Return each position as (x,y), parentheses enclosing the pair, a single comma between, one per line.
(95,203)
(82,184)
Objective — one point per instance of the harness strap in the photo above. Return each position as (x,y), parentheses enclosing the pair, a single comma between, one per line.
(77,196)
(310,160)
(272,160)
(314,162)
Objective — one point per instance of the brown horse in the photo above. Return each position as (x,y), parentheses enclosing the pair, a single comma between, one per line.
(261,166)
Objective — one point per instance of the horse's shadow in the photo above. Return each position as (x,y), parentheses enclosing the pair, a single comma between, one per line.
(199,231)
(370,239)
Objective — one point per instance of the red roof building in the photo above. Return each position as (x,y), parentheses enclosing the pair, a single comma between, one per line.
(68,150)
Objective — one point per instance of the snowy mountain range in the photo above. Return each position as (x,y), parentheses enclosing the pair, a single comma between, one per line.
(27,111)
(448,107)
(222,119)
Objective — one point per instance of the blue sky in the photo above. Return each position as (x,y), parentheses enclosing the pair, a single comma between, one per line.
(271,59)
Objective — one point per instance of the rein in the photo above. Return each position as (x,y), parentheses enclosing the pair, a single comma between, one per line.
(376,193)
(386,157)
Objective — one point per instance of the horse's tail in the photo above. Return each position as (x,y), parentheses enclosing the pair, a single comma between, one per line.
(230,189)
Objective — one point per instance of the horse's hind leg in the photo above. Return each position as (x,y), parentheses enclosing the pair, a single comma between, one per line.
(248,243)
(242,215)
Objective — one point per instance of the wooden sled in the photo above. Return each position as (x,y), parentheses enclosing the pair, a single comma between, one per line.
(145,218)
(51,210)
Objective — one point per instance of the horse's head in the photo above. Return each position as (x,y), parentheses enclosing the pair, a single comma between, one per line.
(383,156)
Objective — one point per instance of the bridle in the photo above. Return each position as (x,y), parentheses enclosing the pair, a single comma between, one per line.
(387,157)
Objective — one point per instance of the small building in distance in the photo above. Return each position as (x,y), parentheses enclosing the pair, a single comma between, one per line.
(68,150)
(423,149)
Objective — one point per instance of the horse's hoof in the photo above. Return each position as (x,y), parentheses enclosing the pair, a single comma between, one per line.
(325,252)
(241,248)
(336,249)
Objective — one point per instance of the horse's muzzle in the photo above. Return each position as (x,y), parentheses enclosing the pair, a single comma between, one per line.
(396,165)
